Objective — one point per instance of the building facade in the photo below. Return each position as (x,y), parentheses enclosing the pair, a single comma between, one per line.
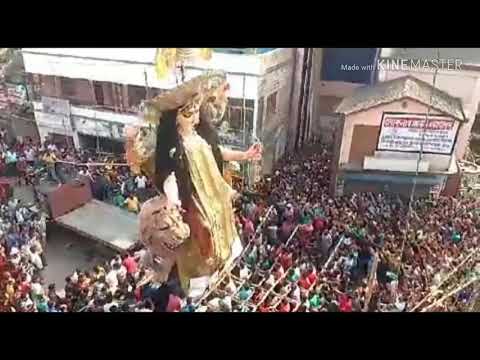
(383,130)
(16,112)
(458,74)
(87,96)
(342,71)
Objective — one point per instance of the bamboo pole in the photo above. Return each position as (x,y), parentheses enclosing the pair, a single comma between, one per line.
(340,242)
(269,291)
(226,270)
(91,164)
(437,288)
(371,282)
(451,293)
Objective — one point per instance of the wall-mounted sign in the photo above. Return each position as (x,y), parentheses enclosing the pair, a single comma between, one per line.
(409,132)
(55,106)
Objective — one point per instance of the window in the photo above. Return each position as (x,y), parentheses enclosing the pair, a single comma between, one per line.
(68,86)
(234,114)
(272,103)
(45,86)
(98,89)
(136,94)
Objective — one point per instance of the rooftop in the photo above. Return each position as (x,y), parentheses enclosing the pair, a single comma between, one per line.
(386,92)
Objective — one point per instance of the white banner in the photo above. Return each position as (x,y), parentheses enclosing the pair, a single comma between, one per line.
(403,132)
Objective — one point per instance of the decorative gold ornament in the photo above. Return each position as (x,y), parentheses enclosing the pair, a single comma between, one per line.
(167,59)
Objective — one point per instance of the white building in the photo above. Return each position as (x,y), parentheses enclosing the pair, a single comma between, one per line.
(89,95)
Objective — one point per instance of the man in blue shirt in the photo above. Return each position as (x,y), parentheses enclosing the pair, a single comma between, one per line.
(13,239)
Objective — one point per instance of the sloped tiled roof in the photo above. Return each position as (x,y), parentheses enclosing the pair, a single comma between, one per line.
(367,97)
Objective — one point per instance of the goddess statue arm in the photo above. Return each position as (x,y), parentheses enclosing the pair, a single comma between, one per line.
(253,153)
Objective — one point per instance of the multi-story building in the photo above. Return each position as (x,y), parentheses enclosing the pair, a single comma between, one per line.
(336,73)
(16,114)
(87,96)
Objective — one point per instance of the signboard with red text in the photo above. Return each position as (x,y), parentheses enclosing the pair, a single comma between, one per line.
(407,132)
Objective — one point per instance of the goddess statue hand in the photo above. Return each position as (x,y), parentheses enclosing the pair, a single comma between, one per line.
(254,152)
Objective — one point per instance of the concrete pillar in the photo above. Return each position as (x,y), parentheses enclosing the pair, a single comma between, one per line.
(294,97)
(125,96)
(42,133)
(58,87)
(76,140)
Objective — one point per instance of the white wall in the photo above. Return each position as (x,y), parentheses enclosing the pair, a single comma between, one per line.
(436,162)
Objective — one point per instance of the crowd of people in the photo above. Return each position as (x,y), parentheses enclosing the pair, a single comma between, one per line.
(304,250)
(361,252)
(33,162)
(113,286)
(123,284)
(23,240)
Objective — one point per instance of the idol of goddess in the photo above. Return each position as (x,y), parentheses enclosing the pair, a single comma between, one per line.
(179,149)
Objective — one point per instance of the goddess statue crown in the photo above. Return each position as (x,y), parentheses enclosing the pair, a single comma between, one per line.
(204,85)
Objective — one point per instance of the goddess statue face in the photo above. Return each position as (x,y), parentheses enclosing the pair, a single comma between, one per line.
(188,116)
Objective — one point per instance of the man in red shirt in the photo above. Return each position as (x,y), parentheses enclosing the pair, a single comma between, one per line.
(286,260)
(25,285)
(312,277)
(284,306)
(304,281)
(265,307)
(248,228)
(130,263)
(174,303)
(345,303)
(319,224)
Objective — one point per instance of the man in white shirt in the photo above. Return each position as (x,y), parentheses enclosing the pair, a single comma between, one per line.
(141,182)
(19,216)
(111,279)
(35,258)
(37,288)
(30,155)
(52,147)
